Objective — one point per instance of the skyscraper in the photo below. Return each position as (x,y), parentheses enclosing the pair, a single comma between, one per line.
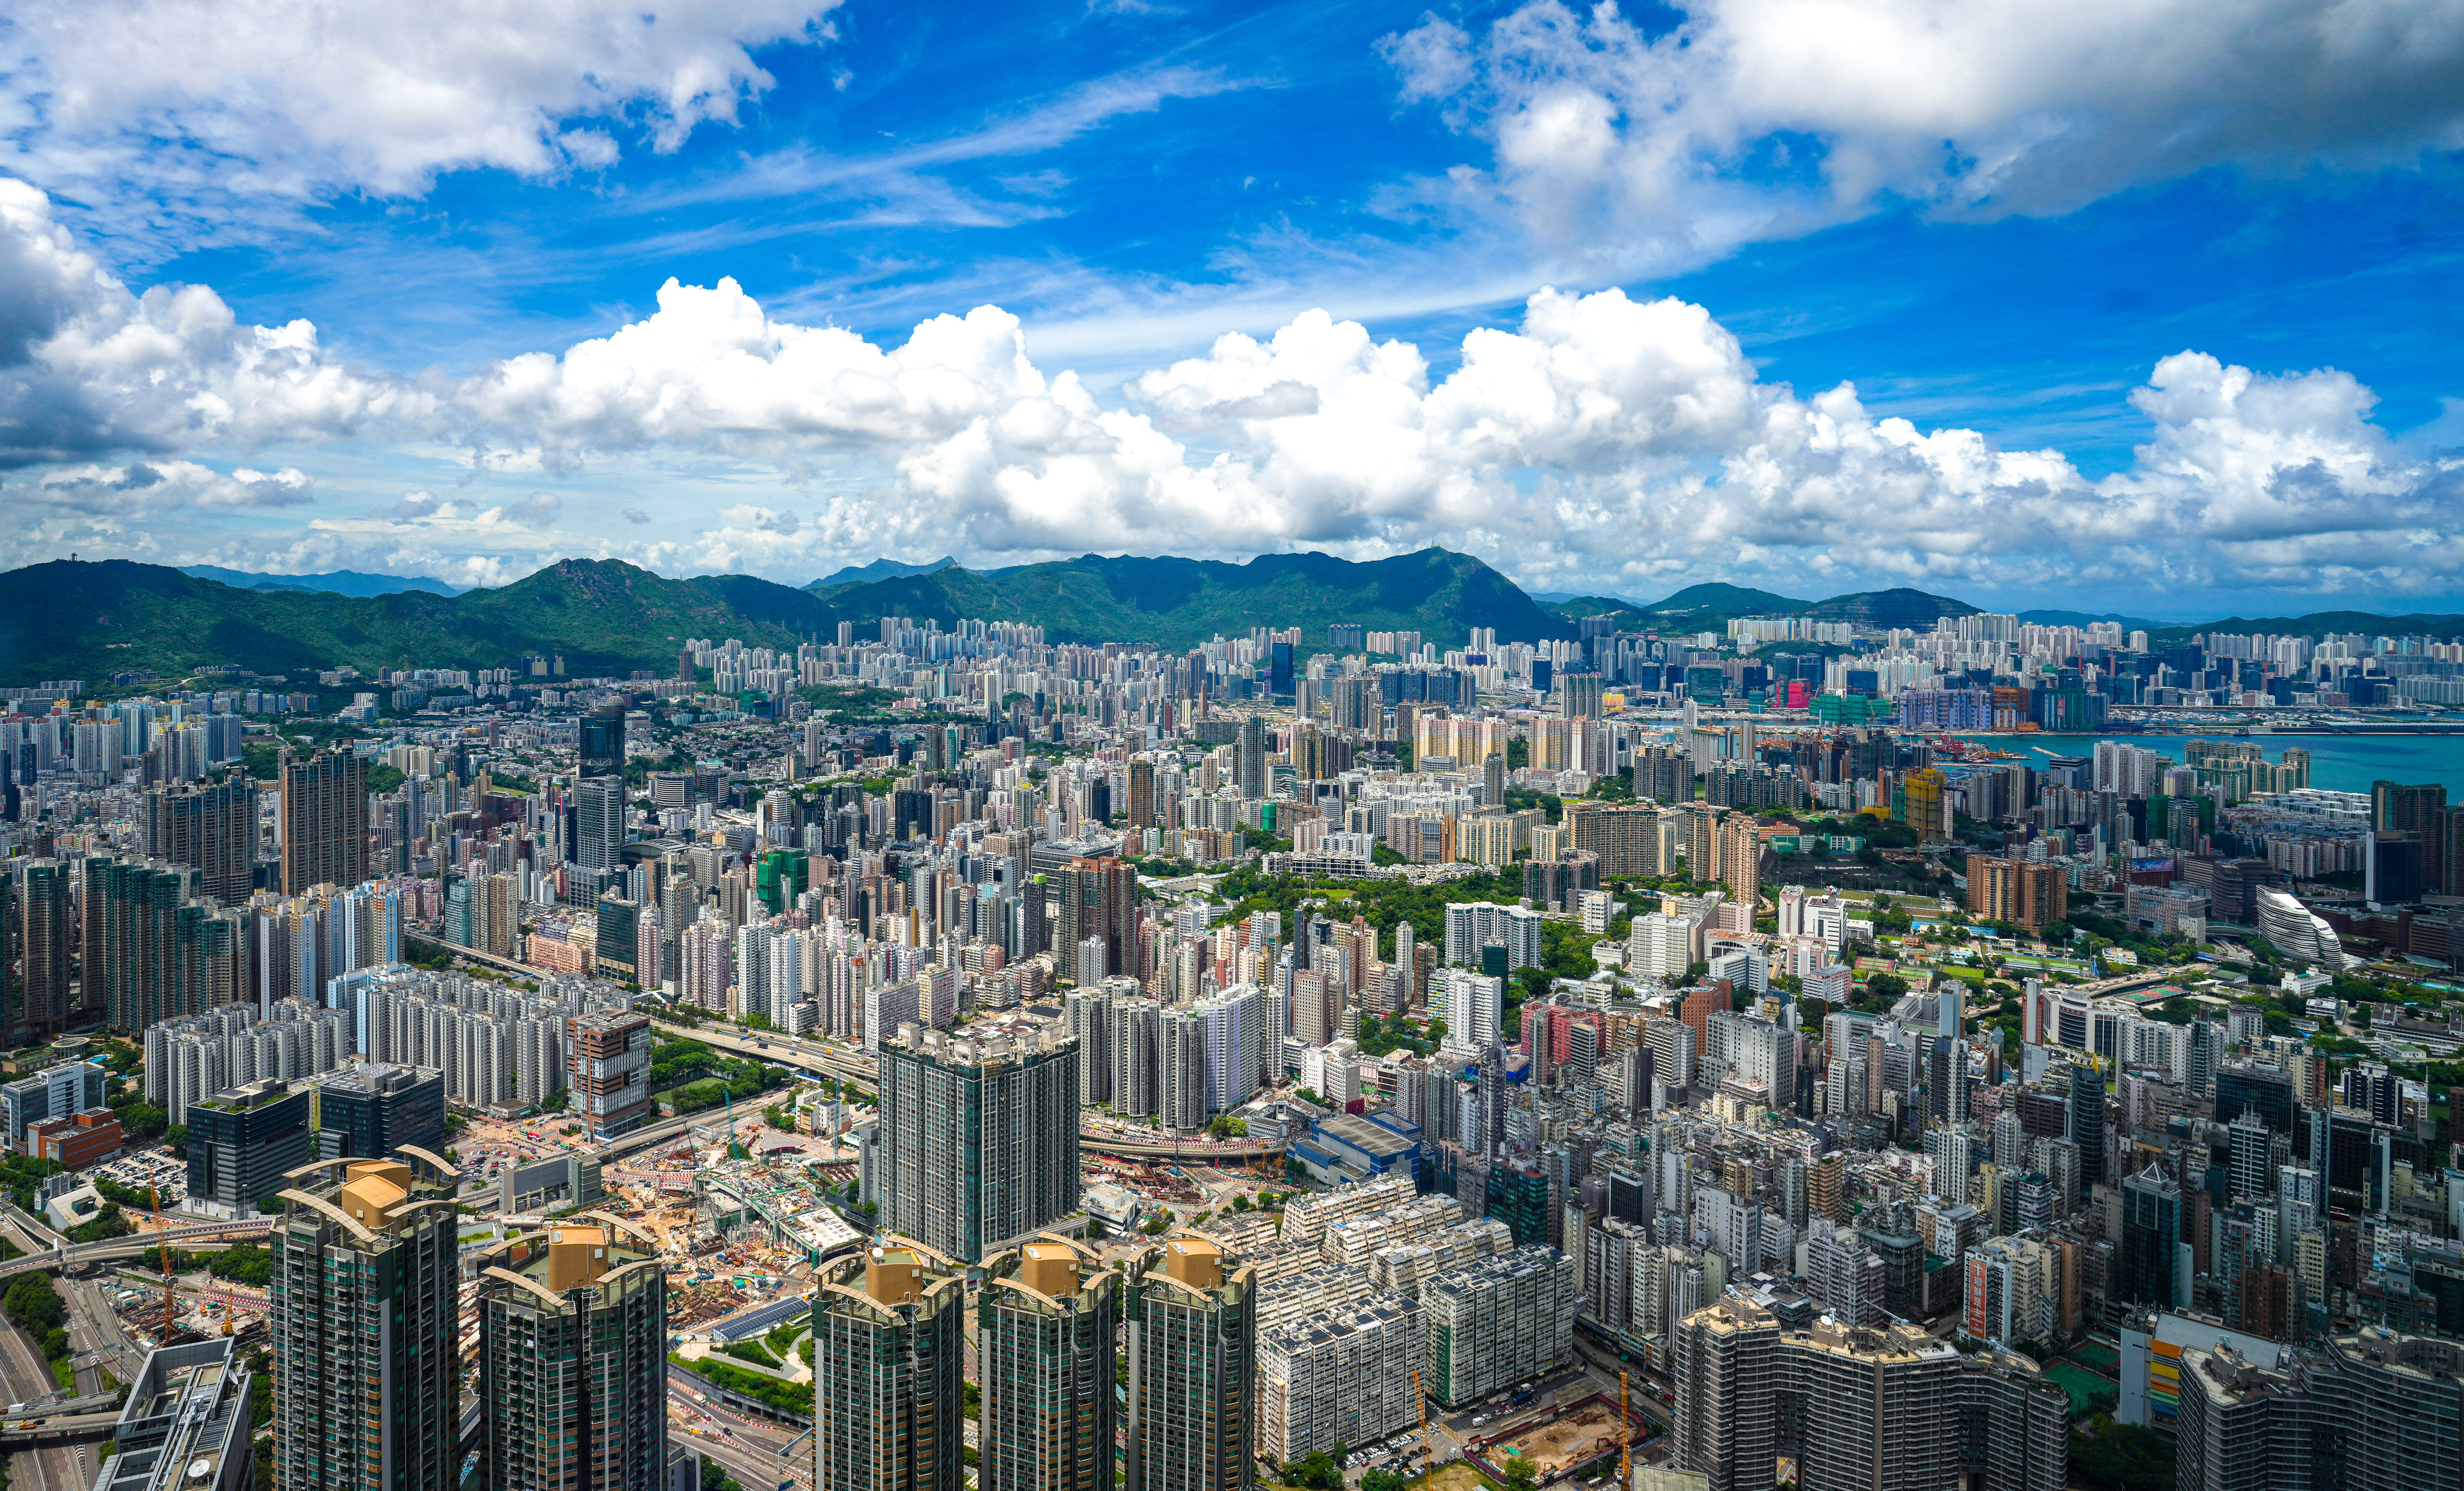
(210,829)
(1726,1357)
(1047,1325)
(2151,1230)
(324,820)
(1250,759)
(1098,900)
(1145,813)
(978,1138)
(47,919)
(601,746)
(1859,1409)
(599,823)
(365,1324)
(888,1357)
(152,951)
(1193,1346)
(1739,849)
(573,1345)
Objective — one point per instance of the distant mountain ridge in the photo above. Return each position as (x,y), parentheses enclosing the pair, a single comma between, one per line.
(338,582)
(880,569)
(1178,603)
(1715,603)
(65,619)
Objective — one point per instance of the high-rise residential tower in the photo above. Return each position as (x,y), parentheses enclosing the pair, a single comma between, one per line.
(1249,758)
(573,1345)
(1856,1409)
(1048,1329)
(365,1318)
(1098,904)
(45,914)
(888,1359)
(210,829)
(1193,1347)
(978,1138)
(324,820)
(153,950)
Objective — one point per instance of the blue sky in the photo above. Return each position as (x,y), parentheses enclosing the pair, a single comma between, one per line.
(1996,226)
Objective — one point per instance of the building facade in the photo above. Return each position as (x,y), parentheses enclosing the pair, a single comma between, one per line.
(573,1372)
(1193,1344)
(365,1318)
(979,1140)
(888,1355)
(1048,1331)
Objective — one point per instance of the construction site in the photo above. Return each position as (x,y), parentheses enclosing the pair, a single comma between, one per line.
(1562,1439)
(742,1211)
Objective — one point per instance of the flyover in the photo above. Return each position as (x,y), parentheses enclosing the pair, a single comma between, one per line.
(196,1238)
(65,1428)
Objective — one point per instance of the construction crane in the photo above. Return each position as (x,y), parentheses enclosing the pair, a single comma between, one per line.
(1421,1401)
(162,1256)
(1625,1440)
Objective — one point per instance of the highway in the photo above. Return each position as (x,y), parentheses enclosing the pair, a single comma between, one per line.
(750,1448)
(28,1379)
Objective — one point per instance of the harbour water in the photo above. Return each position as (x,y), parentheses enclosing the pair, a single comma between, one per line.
(2339,763)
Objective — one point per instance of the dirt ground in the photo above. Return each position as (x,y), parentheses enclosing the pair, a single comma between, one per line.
(1572,1440)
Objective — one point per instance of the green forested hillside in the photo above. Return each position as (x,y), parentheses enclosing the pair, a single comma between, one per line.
(69,620)
(1178,603)
(64,620)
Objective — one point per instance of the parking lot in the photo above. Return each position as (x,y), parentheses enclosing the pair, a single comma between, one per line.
(138,1169)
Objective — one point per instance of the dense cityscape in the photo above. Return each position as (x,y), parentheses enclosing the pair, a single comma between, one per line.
(936,1056)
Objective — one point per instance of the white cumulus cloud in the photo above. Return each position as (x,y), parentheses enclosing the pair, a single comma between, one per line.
(1645,143)
(87,367)
(1603,442)
(217,108)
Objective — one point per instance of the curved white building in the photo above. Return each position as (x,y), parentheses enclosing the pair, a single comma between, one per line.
(2296,931)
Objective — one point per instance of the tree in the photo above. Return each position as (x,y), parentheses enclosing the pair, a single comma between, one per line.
(1385,1480)
(1322,1470)
(1521,1475)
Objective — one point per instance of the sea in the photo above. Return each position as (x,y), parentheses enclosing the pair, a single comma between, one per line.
(2338,763)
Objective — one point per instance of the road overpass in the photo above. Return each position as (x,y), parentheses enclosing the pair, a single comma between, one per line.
(66,1429)
(194,1240)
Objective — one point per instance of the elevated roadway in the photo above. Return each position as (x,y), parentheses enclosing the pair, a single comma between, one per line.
(197,1238)
(60,1429)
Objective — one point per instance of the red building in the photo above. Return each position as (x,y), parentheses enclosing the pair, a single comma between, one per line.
(78,1141)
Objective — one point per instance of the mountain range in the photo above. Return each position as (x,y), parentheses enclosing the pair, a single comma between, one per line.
(880,569)
(338,582)
(64,619)
(1716,602)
